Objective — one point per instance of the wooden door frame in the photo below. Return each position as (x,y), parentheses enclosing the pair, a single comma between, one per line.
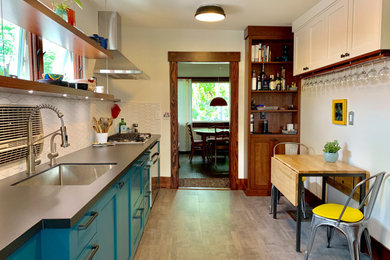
(233,58)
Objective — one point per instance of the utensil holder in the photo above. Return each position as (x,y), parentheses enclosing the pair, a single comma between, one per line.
(101,138)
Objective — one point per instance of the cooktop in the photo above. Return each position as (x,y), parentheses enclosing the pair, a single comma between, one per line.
(130,138)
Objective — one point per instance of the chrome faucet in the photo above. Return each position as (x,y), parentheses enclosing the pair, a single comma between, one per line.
(30,160)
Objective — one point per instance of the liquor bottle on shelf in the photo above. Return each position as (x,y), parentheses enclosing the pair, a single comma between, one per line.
(254,80)
(272,83)
(278,82)
(265,126)
(252,123)
(283,79)
(259,82)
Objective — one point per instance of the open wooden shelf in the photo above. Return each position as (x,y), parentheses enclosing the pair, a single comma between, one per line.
(275,111)
(37,18)
(20,86)
(272,62)
(274,91)
(272,135)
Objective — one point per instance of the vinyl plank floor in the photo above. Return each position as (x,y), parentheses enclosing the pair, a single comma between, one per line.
(224,224)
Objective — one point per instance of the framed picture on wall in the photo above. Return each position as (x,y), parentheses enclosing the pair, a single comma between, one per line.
(339,111)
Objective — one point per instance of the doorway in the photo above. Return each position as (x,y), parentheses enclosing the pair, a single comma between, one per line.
(232,58)
(203,124)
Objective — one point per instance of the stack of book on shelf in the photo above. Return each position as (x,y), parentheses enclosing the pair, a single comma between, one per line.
(261,53)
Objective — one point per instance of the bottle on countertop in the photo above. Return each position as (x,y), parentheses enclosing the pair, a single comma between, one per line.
(272,83)
(122,126)
(254,80)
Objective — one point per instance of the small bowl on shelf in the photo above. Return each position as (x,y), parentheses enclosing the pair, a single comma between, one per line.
(52,76)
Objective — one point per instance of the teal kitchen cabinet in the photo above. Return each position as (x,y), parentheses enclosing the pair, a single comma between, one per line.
(111,229)
(107,227)
(31,250)
(123,216)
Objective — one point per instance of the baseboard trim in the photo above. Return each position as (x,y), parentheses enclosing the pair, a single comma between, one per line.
(250,192)
(241,184)
(379,251)
(165,182)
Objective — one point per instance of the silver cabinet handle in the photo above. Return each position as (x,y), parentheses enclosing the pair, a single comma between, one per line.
(94,214)
(140,215)
(94,248)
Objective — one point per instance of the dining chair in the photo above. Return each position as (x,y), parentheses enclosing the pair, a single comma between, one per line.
(195,144)
(295,148)
(352,222)
(220,141)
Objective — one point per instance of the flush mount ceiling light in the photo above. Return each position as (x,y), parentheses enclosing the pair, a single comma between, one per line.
(210,13)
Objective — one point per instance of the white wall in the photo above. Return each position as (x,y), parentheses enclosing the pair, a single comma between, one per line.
(148,49)
(365,144)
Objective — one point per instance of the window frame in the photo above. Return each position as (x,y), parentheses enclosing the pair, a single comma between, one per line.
(35,58)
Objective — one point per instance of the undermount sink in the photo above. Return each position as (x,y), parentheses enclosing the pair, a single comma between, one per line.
(68,174)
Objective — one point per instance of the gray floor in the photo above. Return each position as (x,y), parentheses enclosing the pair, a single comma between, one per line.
(210,224)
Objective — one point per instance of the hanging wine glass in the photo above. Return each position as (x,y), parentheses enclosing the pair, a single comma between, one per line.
(363,77)
(384,73)
(355,77)
(343,78)
(326,80)
(348,81)
(371,75)
(333,80)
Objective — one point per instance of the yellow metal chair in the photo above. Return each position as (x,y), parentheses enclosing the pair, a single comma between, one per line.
(349,221)
(300,149)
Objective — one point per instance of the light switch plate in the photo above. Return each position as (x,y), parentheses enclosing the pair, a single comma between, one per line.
(351,117)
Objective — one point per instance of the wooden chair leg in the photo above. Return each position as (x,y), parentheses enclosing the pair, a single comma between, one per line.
(192,153)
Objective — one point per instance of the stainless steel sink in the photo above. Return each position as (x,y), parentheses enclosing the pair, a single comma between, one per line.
(68,174)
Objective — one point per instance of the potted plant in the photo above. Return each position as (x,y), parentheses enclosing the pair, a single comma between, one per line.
(331,151)
(62,9)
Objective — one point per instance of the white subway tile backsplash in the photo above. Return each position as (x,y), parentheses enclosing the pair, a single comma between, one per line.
(78,121)
(147,115)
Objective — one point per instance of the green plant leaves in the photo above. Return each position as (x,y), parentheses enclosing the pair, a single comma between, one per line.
(331,147)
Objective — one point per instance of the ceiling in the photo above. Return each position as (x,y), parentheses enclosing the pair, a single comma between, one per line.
(179,14)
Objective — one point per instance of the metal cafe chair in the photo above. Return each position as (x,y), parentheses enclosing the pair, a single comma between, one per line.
(349,221)
(298,150)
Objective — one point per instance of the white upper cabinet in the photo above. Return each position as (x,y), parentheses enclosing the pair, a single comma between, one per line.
(336,20)
(366,26)
(301,51)
(309,43)
(338,30)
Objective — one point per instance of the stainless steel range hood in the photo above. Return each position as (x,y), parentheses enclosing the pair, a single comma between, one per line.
(118,67)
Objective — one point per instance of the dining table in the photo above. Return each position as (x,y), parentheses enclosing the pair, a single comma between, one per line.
(287,172)
(205,133)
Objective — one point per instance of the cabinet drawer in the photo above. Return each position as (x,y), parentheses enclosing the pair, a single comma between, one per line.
(136,225)
(135,187)
(84,230)
(90,250)
(145,175)
(146,206)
